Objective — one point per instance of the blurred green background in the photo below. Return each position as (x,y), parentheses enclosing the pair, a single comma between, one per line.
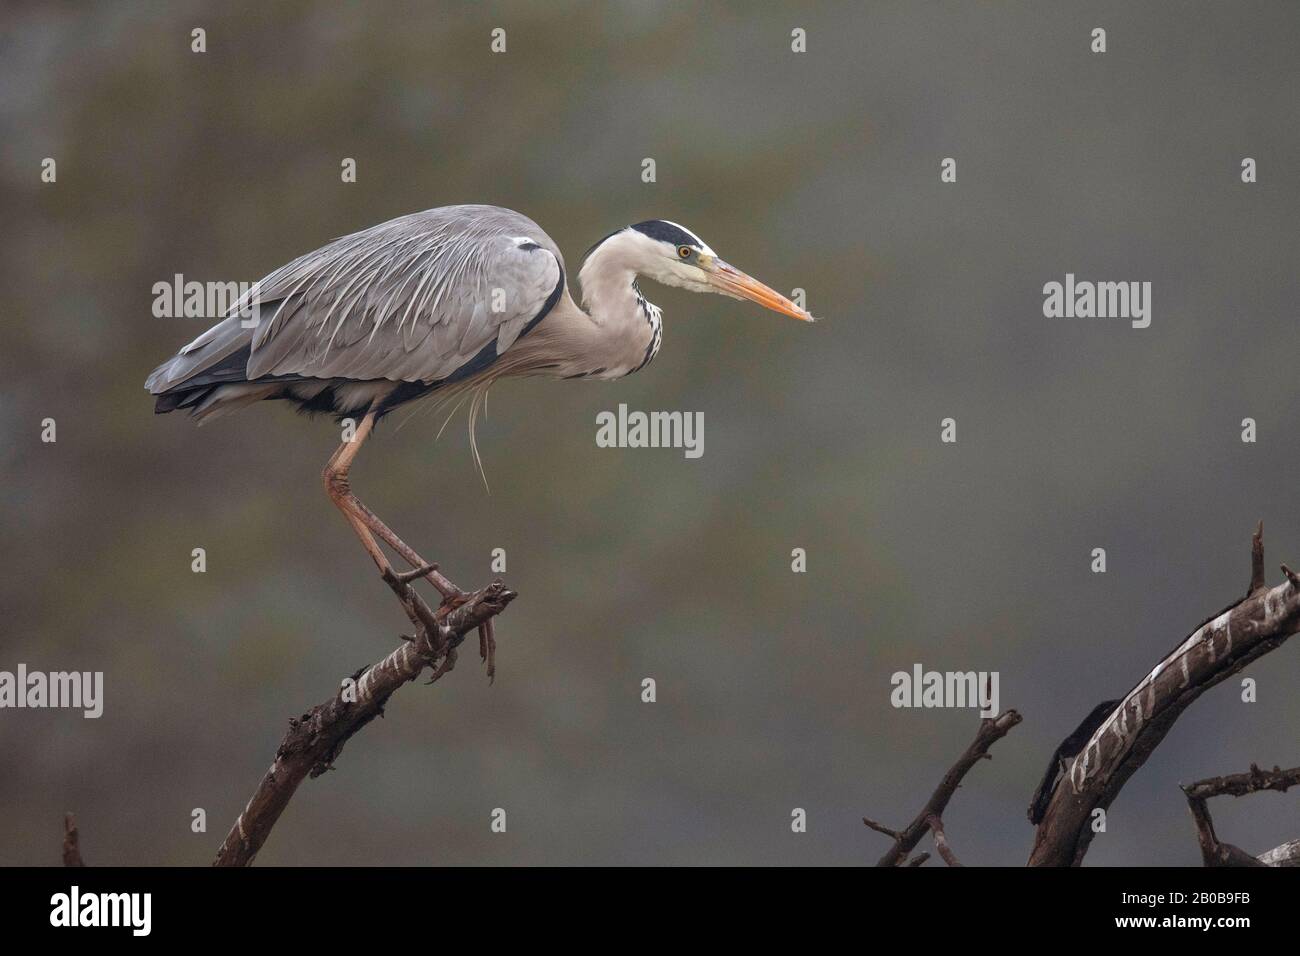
(818,170)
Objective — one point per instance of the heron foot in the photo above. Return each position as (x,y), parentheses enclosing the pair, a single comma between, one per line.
(405,577)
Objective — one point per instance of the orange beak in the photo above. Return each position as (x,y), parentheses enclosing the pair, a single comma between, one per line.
(731,281)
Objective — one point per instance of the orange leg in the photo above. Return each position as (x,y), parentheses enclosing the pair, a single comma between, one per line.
(367,525)
(365,522)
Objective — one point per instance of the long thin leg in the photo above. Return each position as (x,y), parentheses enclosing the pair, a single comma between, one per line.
(338,486)
(365,522)
(387,535)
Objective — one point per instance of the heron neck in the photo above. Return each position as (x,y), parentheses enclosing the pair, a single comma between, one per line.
(624,329)
(610,295)
(609,292)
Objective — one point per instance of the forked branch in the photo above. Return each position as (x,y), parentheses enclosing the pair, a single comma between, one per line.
(991,730)
(1213,850)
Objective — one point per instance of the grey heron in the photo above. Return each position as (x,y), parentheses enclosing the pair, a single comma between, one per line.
(438,303)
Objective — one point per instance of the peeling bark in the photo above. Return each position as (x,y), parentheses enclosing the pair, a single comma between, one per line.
(1215,651)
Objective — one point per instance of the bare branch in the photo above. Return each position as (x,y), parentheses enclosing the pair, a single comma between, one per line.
(71,842)
(315,739)
(1216,650)
(1214,852)
(991,730)
(881,828)
(941,841)
(1257,581)
(1240,784)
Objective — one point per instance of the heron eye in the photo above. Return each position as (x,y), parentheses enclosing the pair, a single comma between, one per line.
(684,251)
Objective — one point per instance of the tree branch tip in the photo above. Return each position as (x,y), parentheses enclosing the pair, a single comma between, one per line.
(881,828)
(1257,581)
(71,842)
(1003,721)
(1291,576)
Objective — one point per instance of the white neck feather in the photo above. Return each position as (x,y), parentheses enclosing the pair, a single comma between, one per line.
(607,279)
(619,331)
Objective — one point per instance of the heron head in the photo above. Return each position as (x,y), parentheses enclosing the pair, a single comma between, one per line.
(671,254)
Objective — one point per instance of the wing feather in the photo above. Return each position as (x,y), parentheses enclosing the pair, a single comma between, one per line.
(414,299)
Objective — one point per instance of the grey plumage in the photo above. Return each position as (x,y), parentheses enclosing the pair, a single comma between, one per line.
(413,300)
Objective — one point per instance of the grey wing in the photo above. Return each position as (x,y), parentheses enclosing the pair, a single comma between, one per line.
(415,299)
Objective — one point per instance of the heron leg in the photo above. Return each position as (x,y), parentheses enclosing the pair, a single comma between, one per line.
(365,522)
(409,555)
(339,487)
(367,525)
